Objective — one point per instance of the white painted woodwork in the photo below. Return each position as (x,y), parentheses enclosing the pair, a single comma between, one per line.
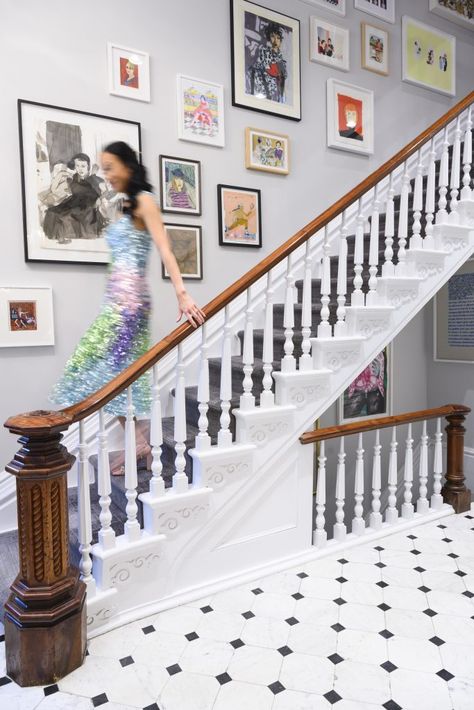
(358,522)
(132,526)
(391,514)
(443,179)
(466,192)
(402,235)
(372,296)
(388,268)
(305,361)
(416,242)
(340,325)
(157,484)
(357,297)
(288,363)
(247,399)
(267,398)
(437,498)
(320,535)
(224,436)
(180,479)
(428,241)
(407,506)
(376,519)
(340,529)
(422,505)
(203,440)
(84,514)
(324,329)
(104,488)
(455,172)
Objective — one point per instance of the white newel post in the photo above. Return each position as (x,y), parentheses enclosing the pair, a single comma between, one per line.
(391,514)
(430,198)
(288,363)
(247,400)
(180,479)
(416,241)
(357,297)
(224,436)
(372,296)
(339,527)
(84,513)
(132,526)
(157,484)
(401,269)
(442,214)
(437,498)
(376,519)
(422,505)
(267,398)
(104,488)
(466,192)
(320,535)
(388,268)
(358,523)
(203,440)
(407,507)
(306,362)
(324,329)
(455,172)
(340,326)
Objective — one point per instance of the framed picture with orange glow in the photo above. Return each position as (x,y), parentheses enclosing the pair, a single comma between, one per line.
(240,216)
(350,117)
(129,72)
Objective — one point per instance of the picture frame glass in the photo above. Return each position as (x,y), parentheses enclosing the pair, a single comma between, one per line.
(186,245)
(26,316)
(350,117)
(369,396)
(200,111)
(239,216)
(383,9)
(267,151)
(336,6)
(454,317)
(375,49)
(329,44)
(429,57)
(129,72)
(180,185)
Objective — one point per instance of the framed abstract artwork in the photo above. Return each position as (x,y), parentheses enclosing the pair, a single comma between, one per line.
(383,9)
(374,48)
(180,185)
(267,151)
(369,396)
(26,316)
(454,317)
(428,57)
(328,44)
(459,11)
(266,74)
(350,117)
(337,6)
(200,111)
(186,245)
(67,202)
(240,216)
(129,72)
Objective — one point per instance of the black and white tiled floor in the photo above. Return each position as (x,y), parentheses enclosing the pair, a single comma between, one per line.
(386,625)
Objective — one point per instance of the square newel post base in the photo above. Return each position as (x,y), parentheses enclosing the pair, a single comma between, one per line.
(460,500)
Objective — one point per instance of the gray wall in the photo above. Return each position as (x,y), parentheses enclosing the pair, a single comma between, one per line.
(59,57)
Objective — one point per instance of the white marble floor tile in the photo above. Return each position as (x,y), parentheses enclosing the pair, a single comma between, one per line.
(92,678)
(362,617)
(242,696)
(312,639)
(119,642)
(444,581)
(265,632)
(413,690)
(320,587)
(362,682)
(12,697)
(436,562)
(405,598)
(325,567)
(362,646)
(468,581)
(251,664)
(361,572)
(274,606)
(458,659)
(159,649)
(402,577)
(307,673)
(466,564)
(294,700)
(452,604)
(137,685)
(64,701)
(317,611)
(362,593)
(206,656)
(414,654)
(180,620)
(461,691)
(364,554)
(433,546)
(409,624)
(431,530)
(399,542)
(183,686)
(281,583)
(397,558)
(221,626)
(454,629)
(237,600)
(355,705)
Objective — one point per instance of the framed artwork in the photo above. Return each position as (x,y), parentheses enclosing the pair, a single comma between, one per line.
(67,202)
(454,317)
(383,9)
(180,185)
(350,117)
(26,316)
(267,151)
(240,216)
(369,396)
(328,44)
(428,57)
(374,48)
(266,60)
(459,11)
(200,111)
(129,72)
(186,244)
(337,6)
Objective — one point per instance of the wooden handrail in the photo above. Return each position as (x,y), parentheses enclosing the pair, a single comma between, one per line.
(334,432)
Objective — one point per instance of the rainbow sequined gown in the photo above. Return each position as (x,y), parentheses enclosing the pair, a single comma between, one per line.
(120,333)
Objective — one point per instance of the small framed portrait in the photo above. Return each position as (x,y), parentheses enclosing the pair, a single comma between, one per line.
(459,11)
(383,9)
(186,244)
(337,6)
(454,317)
(129,72)
(26,316)
(428,57)
(328,44)
(369,396)
(374,48)
(267,151)
(350,117)
(240,216)
(180,185)
(200,111)
(266,60)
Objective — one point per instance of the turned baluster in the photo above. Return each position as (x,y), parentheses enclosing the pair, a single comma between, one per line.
(104,488)
(443,179)
(324,329)
(416,241)
(357,297)
(437,498)
(288,363)
(180,479)
(247,400)
(391,514)
(340,326)
(376,516)
(84,512)
(157,484)
(428,242)
(267,398)
(372,296)
(388,268)
(454,490)
(358,523)
(203,440)
(339,527)
(401,268)
(224,436)
(320,535)
(305,361)
(455,173)
(407,506)
(466,192)
(422,504)
(132,526)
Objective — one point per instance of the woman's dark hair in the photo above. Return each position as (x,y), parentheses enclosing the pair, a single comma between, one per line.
(138,179)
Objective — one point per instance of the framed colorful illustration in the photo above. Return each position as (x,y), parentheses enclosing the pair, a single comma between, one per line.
(374,48)
(26,316)
(454,317)
(337,6)
(200,111)
(369,396)
(180,185)
(129,72)
(328,44)
(383,9)
(350,117)
(240,216)
(186,244)
(265,48)
(67,202)
(428,57)
(459,11)
(267,151)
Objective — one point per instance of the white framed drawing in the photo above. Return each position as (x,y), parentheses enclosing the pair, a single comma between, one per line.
(383,9)
(374,48)
(337,6)
(129,72)
(328,44)
(200,111)
(428,57)
(459,11)
(26,316)
(453,316)
(350,117)
(370,395)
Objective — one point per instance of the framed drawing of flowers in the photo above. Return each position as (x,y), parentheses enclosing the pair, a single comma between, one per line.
(129,72)
(369,396)
(200,111)
(328,44)
(265,47)
(350,117)
(180,185)
(428,57)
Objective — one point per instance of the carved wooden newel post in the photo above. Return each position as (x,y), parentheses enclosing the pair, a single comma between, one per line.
(45,622)
(454,490)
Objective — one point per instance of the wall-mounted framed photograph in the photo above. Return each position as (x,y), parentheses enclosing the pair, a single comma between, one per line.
(350,117)
(459,11)
(186,244)
(374,48)
(129,72)
(67,202)
(240,216)
(383,9)
(454,318)
(328,44)
(200,111)
(428,57)
(370,395)
(180,185)
(267,151)
(26,316)
(337,6)
(266,72)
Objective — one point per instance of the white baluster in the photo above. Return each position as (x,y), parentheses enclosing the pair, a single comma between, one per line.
(84,513)
(388,269)
(416,241)
(466,192)
(407,507)
(422,505)
(391,514)
(267,398)
(430,198)
(339,527)
(247,400)
(288,363)
(157,484)
(372,296)
(442,214)
(320,535)
(358,523)
(180,479)
(400,268)
(376,516)
(357,297)
(324,329)
(437,498)
(104,488)
(340,326)
(224,437)
(203,440)
(132,526)
(305,362)
(455,172)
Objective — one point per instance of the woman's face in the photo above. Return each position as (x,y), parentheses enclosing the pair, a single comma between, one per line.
(116,172)
(178,184)
(130,69)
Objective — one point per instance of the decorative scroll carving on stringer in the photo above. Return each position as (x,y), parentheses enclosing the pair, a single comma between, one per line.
(37,529)
(102,615)
(398,297)
(171,520)
(216,476)
(122,572)
(336,360)
(301,395)
(264,431)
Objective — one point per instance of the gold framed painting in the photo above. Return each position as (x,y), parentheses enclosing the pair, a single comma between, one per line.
(428,57)
(267,151)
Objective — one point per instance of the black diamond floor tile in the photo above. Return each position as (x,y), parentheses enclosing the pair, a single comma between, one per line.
(469,517)
(412,537)
(127,661)
(223,678)
(429,612)
(175,668)
(335,658)
(391,705)
(386,634)
(302,575)
(415,552)
(460,573)
(443,527)
(468,594)
(237,643)
(446,539)
(154,706)
(384,607)
(388,666)
(292,621)
(50,689)
(342,580)
(206,609)
(453,556)
(419,569)
(380,565)
(4,680)
(192,636)
(379,549)
(339,601)
(248,614)
(148,629)
(445,675)
(343,561)
(276,687)
(338,627)
(285,650)
(424,589)
(381,584)
(332,697)
(99,700)
(437,641)
(2,637)
(297,596)
(257,591)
